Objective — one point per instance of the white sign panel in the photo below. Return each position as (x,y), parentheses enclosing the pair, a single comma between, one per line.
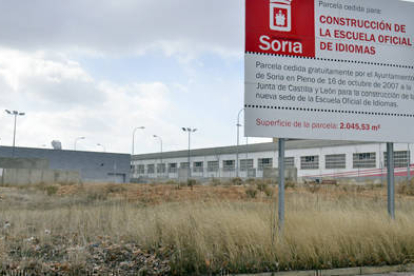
(340,70)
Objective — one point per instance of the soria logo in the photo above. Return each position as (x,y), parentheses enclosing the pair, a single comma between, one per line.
(281,15)
(285,27)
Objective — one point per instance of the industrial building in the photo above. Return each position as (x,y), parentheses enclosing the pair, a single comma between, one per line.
(311,158)
(91,166)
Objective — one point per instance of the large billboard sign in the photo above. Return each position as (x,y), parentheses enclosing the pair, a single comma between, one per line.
(341,70)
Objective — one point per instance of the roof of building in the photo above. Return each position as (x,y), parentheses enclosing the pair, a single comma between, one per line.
(8,149)
(261,147)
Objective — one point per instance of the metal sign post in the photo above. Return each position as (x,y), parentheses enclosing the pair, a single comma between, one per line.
(408,165)
(390,180)
(281,209)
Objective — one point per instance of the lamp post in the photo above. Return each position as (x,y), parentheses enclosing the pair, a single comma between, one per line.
(237,148)
(103,147)
(189,130)
(76,141)
(133,138)
(15,113)
(161,167)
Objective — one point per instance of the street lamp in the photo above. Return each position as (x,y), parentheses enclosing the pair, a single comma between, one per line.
(237,148)
(133,138)
(15,114)
(76,141)
(161,167)
(189,130)
(103,147)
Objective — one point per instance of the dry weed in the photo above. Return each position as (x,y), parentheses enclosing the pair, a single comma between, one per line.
(207,234)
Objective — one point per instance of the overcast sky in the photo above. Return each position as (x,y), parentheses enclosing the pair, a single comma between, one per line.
(100,68)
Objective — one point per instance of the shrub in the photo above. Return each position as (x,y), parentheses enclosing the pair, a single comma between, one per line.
(191,183)
(97,194)
(115,188)
(215,182)
(251,192)
(262,186)
(237,181)
(345,187)
(269,191)
(313,186)
(361,188)
(172,182)
(290,184)
(51,190)
(405,189)
(251,181)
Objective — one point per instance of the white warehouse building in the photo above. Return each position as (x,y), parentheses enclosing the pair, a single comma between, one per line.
(311,158)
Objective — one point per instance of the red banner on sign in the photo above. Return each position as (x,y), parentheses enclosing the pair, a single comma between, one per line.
(284,27)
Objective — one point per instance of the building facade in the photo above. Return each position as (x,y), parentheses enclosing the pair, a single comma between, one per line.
(311,158)
(92,166)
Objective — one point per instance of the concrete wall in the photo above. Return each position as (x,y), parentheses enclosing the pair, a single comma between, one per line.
(34,176)
(291,174)
(91,166)
(24,163)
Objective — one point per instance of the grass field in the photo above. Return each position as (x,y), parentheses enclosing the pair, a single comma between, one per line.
(220,228)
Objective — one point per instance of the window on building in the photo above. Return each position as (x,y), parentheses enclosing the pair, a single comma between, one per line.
(141,169)
(184,165)
(401,159)
(364,160)
(161,168)
(246,164)
(212,166)
(172,167)
(309,162)
(229,165)
(198,167)
(264,163)
(289,162)
(335,161)
(150,168)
